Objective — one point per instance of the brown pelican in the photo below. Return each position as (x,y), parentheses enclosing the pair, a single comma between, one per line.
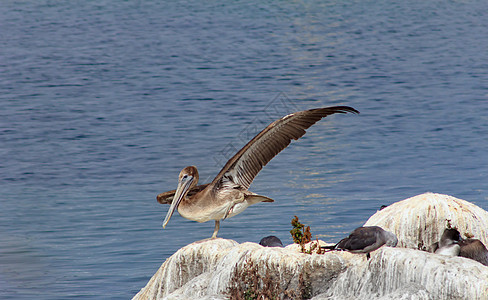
(365,240)
(227,195)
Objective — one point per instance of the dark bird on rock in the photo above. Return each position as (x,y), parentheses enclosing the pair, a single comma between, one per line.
(474,249)
(228,195)
(365,240)
(452,244)
(448,244)
(271,241)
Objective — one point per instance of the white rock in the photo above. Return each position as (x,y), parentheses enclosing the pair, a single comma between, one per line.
(418,222)
(393,271)
(206,269)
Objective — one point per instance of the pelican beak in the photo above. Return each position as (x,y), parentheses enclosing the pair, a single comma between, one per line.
(181,191)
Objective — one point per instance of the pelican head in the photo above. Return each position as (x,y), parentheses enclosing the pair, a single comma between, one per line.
(188,179)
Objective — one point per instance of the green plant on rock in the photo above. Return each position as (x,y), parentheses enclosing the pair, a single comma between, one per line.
(301,235)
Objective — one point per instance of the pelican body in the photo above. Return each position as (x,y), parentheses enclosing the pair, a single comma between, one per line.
(209,204)
(228,195)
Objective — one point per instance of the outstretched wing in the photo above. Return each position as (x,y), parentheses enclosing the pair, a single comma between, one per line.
(243,167)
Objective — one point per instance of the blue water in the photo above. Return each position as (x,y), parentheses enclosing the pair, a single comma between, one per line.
(104,102)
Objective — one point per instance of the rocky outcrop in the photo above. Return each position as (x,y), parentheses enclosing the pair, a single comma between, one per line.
(418,222)
(223,269)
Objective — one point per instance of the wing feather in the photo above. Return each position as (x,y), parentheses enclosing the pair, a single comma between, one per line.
(243,167)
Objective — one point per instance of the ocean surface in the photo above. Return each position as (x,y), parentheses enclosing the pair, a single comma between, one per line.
(104,102)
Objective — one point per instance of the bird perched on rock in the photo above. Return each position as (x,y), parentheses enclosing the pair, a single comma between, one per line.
(365,240)
(228,195)
(271,241)
(448,244)
(474,249)
(452,244)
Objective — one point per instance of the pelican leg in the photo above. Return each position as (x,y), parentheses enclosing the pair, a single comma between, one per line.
(217,227)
